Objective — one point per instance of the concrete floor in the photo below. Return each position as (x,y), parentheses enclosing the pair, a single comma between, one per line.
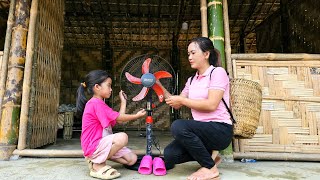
(76,168)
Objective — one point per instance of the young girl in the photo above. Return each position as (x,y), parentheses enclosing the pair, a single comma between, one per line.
(97,140)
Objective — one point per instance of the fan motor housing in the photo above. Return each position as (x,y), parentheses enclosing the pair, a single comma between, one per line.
(148,80)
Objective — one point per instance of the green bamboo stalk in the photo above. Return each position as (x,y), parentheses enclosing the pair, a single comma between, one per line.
(216,28)
(216,34)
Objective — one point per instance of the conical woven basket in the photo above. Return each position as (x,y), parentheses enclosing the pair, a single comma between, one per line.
(246,99)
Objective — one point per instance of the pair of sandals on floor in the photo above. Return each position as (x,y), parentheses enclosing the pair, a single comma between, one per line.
(155,166)
(107,172)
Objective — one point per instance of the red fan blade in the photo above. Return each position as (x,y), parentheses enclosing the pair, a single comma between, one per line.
(133,79)
(145,66)
(162,74)
(141,95)
(159,91)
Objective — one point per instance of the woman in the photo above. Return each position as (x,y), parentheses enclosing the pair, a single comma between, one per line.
(211,128)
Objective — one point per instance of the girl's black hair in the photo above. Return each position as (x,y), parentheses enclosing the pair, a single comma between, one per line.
(205,44)
(94,77)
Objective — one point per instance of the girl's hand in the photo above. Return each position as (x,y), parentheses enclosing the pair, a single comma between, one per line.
(123,96)
(141,113)
(174,101)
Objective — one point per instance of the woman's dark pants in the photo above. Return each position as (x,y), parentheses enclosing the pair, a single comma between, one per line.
(195,140)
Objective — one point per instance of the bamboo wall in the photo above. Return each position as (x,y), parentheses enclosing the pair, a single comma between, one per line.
(303,30)
(76,64)
(290,116)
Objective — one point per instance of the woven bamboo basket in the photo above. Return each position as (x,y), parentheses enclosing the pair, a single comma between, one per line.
(246,100)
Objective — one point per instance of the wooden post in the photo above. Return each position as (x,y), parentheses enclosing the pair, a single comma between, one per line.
(227,43)
(27,77)
(204,17)
(5,58)
(216,34)
(12,98)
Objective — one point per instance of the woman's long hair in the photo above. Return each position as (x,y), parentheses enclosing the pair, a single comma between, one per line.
(205,44)
(94,77)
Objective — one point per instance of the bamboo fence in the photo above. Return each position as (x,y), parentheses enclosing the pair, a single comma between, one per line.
(289,126)
(45,77)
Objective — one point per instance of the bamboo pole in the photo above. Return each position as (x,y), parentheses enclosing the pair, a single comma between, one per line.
(277,156)
(61,153)
(204,18)
(227,43)
(12,99)
(217,36)
(7,44)
(27,77)
(277,57)
(216,28)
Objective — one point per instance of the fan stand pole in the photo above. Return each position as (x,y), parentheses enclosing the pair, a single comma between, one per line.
(149,122)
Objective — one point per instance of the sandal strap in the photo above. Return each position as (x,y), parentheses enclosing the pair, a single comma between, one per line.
(104,169)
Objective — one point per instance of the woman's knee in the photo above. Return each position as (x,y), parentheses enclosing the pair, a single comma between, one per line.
(179,129)
(177,126)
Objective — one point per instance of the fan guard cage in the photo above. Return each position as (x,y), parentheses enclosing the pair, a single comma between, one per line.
(134,67)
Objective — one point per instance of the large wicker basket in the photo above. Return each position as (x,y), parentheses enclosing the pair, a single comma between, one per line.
(246,99)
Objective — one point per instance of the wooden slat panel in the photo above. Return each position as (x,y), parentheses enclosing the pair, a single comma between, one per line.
(290,118)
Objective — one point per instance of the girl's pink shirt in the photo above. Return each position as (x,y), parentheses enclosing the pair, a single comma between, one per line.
(97,116)
(199,89)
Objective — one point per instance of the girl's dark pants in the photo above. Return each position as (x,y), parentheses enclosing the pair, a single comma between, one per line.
(195,140)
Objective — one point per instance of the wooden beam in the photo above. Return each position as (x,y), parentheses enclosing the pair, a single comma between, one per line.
(61,153)
(277,156)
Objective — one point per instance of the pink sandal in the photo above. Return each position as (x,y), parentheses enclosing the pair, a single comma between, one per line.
(159,168)
(145,165)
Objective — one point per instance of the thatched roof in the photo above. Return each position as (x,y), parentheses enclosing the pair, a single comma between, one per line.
(145,23)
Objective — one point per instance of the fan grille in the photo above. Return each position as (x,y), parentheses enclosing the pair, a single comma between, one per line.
(134,67)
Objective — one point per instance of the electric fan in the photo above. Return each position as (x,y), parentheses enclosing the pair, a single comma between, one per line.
(138,79)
